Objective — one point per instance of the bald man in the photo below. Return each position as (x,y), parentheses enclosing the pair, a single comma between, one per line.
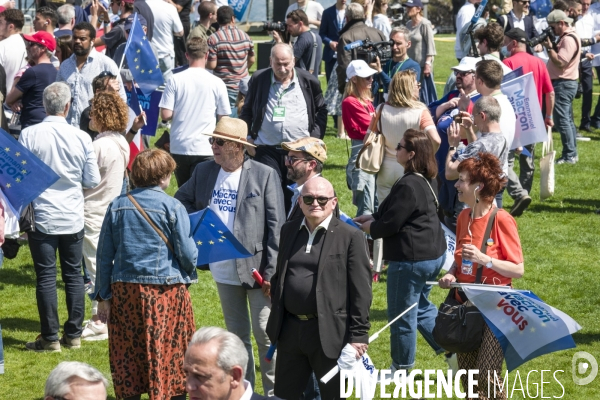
(324,265)
(283,104)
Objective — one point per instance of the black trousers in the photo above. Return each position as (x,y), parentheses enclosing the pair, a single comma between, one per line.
(179,44)
(299,353)
(186,166)
(274,157)
(596,116)
(329,68)
(587,82)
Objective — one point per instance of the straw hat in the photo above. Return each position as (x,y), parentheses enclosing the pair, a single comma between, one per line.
(233,129)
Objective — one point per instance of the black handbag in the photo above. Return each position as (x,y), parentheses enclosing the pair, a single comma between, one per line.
(459,325)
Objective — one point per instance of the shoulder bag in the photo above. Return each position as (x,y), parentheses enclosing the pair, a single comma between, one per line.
(370,156)
(459,326)
(160,233)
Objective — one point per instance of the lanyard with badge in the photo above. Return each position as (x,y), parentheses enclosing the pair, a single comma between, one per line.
(279,110)
(392,71)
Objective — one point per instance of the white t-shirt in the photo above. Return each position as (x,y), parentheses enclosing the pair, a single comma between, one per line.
(166,22)
(312,9)
(12,57)
(464,16)
(196,97)
(223,202)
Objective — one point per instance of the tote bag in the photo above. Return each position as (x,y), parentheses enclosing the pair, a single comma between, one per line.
(547,168)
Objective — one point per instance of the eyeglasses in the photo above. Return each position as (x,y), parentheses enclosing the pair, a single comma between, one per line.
(106,73)
(309,200)
(292,160)
(401,147)
(218,141)
(463,73)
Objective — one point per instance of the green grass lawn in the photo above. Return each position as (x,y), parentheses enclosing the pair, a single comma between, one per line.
(560,239)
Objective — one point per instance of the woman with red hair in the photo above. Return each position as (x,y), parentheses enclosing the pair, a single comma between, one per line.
(480,178)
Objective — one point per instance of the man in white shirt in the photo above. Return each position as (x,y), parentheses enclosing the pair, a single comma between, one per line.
(12,46)
(463,18)
(245,195)
(194,100)
(313,10)
(215,366)
(59,217)
(166,25)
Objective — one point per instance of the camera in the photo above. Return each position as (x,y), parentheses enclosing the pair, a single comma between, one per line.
(275,26)
(546,33)
(368,51)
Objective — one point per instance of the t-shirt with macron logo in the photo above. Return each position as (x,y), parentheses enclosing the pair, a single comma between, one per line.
(223,203)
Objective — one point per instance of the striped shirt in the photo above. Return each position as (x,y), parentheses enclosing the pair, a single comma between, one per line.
(231,48)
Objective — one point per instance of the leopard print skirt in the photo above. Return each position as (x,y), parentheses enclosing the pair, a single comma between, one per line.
(150,327)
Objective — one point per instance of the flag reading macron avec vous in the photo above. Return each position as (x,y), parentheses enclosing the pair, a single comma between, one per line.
(141,60)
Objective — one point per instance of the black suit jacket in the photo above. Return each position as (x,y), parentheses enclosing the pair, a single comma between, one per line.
(256,396)
(530,30)
(343,286)
(255,104)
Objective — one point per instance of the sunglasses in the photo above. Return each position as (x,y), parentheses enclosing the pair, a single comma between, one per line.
(218,141)
(106,73)
(292,160)
(463,73)
(401,147)
(309,200)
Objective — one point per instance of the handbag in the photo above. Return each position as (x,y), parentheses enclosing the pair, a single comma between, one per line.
(459,325)
(547,168)
(370,156)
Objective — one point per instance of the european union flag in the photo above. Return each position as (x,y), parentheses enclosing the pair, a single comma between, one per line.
(214,241)
(23,176)
(141,60)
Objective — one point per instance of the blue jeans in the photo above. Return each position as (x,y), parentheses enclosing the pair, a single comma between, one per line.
(43,252)
(362,183)
(406,286)
(232,99)
(564,92)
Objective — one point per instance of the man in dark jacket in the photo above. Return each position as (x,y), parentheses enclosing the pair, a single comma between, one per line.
(283,104)
(354,30)
(331,25)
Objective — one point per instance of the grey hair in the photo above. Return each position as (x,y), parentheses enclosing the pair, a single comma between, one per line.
(56,97)
(354,11)
(401,29)
(490,106)
(231,351)
(283,46)
(66,13)
(58,383)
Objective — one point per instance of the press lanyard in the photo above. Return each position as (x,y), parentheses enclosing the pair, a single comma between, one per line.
(282,92)
(395,69)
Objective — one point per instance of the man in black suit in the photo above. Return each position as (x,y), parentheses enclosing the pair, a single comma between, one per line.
(321,294)
(332,22)
(519,17)
(214,365)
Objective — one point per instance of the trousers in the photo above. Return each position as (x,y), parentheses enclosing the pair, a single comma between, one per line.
(519,186)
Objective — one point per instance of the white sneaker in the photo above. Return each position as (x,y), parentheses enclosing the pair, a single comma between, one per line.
(94,332)
(452,362)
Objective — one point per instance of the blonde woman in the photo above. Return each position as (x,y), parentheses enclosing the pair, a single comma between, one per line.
(357,111)
(422,48)
(402,111)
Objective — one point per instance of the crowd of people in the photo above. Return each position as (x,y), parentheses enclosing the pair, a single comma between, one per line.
(250,148)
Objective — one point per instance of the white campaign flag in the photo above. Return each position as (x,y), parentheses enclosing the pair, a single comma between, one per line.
(522,94)
(450,247)
(530,326)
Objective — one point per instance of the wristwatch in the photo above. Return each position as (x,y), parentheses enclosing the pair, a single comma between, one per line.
(489,263)
(452,148)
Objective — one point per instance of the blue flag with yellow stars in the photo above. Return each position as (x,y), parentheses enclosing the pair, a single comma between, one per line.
(141,60)
(23,176)
(214,241)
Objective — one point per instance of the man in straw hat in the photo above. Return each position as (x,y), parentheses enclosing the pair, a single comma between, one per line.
(246,196)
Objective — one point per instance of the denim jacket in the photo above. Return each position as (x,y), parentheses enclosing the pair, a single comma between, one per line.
(130,250)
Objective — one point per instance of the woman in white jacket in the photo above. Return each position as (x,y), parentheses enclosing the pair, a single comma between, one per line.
(109,115)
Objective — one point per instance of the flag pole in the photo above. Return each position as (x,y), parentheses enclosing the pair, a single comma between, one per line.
(327,377)
(128,41)
(459,285)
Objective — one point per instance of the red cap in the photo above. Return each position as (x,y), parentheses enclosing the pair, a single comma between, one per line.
(2,9)
(42,37)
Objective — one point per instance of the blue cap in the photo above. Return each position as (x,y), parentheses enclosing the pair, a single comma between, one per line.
(412,3)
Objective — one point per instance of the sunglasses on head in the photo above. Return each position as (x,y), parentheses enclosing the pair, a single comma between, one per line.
(218,141)
(309,200)
(106,73)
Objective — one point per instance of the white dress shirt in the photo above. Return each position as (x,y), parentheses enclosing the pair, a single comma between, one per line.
(70,153)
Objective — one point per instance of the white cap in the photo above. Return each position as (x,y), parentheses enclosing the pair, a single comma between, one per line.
(359,68)
(467,64)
